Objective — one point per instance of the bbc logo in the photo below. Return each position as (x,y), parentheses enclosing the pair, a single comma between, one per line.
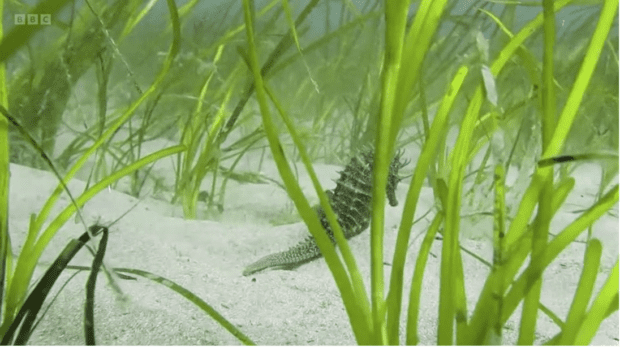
(33,19)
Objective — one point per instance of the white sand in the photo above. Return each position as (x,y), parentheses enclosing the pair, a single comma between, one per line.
(300,307)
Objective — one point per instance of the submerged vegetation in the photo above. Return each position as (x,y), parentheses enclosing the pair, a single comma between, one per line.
(479,90)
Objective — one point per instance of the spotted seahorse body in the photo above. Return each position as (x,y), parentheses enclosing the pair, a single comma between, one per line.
(350,200)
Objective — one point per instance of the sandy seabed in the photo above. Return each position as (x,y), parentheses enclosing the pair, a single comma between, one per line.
(299,307)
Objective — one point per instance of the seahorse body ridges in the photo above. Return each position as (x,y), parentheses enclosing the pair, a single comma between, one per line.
(350,200)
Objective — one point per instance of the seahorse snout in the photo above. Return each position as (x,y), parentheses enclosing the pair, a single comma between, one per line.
(391,195)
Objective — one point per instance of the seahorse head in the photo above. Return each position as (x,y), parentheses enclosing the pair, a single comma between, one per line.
(393,177)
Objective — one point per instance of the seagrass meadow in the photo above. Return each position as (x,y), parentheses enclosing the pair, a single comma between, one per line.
(216,172)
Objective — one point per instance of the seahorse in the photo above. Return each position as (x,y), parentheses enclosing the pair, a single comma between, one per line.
(351,202)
